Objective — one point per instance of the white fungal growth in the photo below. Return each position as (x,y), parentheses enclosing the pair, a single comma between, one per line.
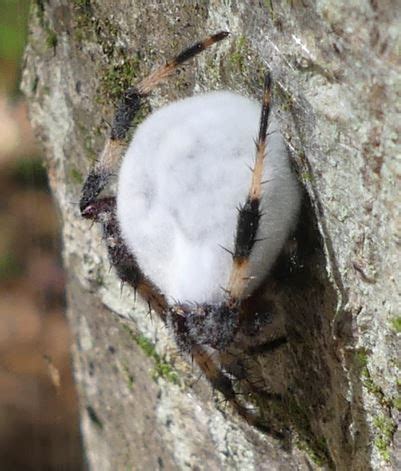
(183,177)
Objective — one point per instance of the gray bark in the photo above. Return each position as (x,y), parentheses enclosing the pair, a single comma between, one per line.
(336,66)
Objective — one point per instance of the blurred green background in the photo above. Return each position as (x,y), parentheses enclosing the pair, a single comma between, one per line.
(39,428)
(13,32)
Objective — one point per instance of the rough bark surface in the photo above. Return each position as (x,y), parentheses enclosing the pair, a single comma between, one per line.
(337,73)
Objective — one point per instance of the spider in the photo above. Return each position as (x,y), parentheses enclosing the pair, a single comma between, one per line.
(191,228)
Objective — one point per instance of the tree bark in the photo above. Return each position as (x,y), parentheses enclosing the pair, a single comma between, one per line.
(336,68)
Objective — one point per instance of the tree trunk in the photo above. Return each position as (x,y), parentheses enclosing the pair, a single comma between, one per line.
(336,68)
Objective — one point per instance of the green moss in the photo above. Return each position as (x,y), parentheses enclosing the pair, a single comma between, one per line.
(384,431)
(83,9)
(286,99)
(106,33)
(117,78)
(83,20)
(315,447)
(317,458)
(119,70)
(51,39)
(76,176)
(162,368)
(244,65)
(373,388)
(269,5)
(243,57)
(397,403)
(165,371)
(82,3)
(146,346)
(274,15)
(361,357)
(212,69)
(238,57)
(396,324)
(306,177)
(367,380)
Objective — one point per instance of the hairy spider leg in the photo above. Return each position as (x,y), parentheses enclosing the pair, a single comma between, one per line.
(126,110)
(222,383)
(102,210)
(249,214)
(124,262)
(129,271)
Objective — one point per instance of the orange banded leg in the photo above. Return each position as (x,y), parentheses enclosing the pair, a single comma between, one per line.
(126,111)
(249,214)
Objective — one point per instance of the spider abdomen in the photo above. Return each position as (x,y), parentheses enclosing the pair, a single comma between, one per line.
(184,176)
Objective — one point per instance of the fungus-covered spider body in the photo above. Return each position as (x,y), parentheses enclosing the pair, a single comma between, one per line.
(200,216)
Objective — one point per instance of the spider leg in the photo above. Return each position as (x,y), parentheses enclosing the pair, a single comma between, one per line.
(103,210)
(249,213)
(222,383)
(146,85)
(128,270)
(126,110)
